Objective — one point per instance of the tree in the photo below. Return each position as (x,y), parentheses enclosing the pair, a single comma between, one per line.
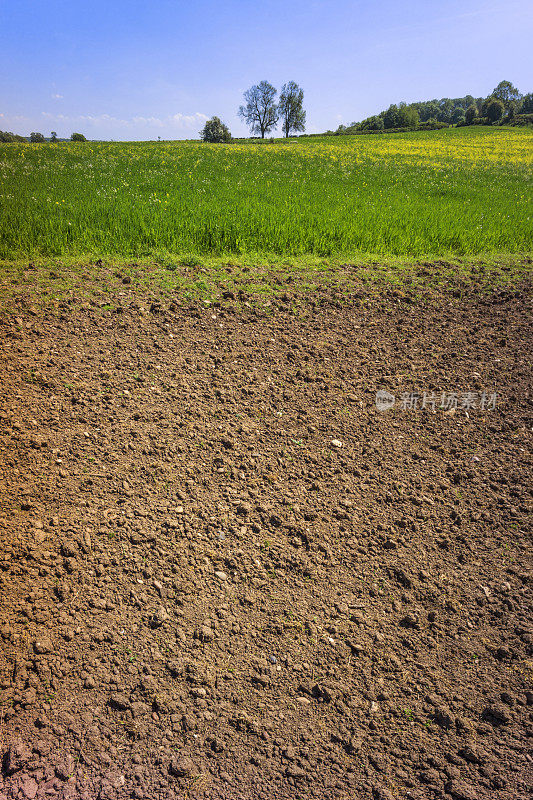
(427,110)
(508,95)
(36,137)
(290,108)
(510,115)
(458,116)
(372,124)
(78,137)
(390,117)
(407,116)
(471,114)
(527,104)
(53,136)
(495,110)
(214,130)
(260,112)
(445,110)
(485,104)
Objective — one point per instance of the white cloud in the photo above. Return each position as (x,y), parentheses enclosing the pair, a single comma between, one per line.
(178,120)
(154,122)
(57,97)
(13,119)
(189,120)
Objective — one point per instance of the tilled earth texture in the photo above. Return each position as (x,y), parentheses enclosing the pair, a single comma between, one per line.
(226,574)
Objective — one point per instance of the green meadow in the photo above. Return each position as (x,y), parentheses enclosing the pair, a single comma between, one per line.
(455,192)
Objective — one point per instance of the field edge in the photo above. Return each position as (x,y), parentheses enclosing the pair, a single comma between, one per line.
(186,278)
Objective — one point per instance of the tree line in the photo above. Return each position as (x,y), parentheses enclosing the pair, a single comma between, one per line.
(261,112)
(504,106)
(38,138)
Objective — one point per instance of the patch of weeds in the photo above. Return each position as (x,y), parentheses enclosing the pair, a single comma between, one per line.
(191,261)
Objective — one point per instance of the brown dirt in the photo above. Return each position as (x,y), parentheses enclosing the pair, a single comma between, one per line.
(202,597)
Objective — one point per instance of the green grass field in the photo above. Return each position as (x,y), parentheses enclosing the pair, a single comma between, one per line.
(456,192)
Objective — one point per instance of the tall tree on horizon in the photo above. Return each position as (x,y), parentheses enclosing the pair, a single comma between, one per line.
(508,94)
(291,108)
(260,112)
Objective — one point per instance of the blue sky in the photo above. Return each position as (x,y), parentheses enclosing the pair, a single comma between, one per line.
(139,69)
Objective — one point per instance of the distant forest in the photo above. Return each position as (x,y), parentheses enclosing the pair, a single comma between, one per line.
(504,106)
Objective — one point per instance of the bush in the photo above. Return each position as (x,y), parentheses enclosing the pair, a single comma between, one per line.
(78,137)
(432,125)
(521,119)
(36,137)
(214,130)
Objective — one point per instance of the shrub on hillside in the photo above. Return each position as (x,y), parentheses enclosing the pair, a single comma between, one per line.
(214,130)
(432,125)
(521,119)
